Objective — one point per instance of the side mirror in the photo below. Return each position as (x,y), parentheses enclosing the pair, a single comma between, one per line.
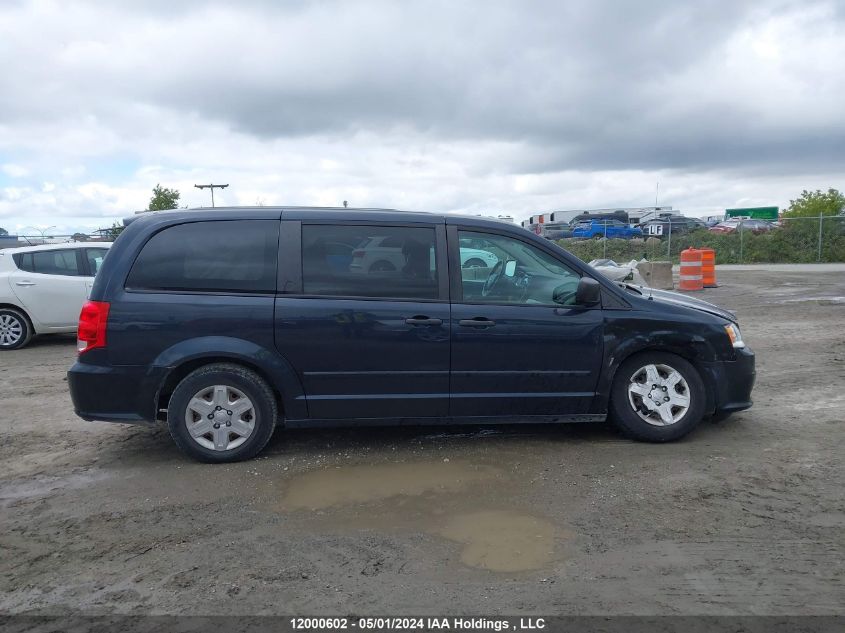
(588,292)
(510,268)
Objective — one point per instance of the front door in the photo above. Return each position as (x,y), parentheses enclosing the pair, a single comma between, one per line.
(520,345)
(368,330)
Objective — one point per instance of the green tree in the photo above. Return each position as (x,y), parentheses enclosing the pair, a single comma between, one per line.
(163,199)
(816,203)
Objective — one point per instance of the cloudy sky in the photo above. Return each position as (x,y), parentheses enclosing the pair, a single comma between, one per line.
(479,106)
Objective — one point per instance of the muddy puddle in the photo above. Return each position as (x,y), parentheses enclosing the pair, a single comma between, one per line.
(457,501)
(373,483)
(502,540)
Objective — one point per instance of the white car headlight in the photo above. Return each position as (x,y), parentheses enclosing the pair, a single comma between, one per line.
(735,335)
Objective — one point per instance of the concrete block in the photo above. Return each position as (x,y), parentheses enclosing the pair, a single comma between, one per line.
(657,274)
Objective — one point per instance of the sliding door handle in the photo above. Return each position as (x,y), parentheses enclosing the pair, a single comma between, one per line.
(479,322)
(423,320)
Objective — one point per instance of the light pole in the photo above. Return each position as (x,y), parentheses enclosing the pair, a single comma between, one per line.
(42,231)
(212,187)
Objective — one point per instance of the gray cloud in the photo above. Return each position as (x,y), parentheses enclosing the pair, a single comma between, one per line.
(524,88)
(599,85)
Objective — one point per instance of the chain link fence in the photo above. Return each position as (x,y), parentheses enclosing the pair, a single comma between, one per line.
(792,241)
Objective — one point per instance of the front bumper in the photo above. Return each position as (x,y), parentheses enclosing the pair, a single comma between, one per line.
(113,393)
(732,381)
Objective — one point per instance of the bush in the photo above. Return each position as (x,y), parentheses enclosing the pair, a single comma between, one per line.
(618,250)
(796,242)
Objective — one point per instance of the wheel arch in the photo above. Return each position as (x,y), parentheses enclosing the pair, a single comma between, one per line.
(180,372)
(34,325)
(12,306)
(268,364)
(694,354)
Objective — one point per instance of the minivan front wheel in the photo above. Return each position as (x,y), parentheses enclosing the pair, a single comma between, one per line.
(222,413)
(657,397)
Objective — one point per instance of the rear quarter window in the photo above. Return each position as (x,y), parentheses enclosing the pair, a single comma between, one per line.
(51,262)
(212,256)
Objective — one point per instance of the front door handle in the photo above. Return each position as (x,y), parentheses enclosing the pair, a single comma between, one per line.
(24,283)
(477,322)
(423,320)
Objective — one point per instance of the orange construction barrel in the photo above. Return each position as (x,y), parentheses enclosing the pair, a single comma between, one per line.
(708,267)
(691,278)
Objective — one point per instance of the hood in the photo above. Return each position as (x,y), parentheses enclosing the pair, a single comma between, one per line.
(676,298)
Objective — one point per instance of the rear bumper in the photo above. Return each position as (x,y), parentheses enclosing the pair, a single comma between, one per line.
(114,393)
(732,382)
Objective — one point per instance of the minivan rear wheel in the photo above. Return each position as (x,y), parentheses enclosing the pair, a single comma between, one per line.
(657,397)
(15,329)
(222,413)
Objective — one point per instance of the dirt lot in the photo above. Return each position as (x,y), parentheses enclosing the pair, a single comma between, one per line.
(744,517)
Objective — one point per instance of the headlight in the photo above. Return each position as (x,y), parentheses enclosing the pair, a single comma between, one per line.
(735,335)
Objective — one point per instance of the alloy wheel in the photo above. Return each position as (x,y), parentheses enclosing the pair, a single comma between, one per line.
(659,394)
(220,417)
(11,330)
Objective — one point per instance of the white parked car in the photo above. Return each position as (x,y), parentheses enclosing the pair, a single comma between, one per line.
(42,288)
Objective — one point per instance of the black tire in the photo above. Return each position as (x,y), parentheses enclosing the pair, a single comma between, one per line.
(230,375)
(17,319)
(631,424)
(474,262)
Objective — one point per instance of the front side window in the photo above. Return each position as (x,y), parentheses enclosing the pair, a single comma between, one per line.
(59,262)
(521,274)
(214,256)
(369,261)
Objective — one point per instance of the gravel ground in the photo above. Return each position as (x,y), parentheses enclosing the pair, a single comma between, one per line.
(743,517)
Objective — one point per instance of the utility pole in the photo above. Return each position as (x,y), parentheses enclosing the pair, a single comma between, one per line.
(212,187)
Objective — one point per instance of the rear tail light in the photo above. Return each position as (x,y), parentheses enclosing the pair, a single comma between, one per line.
(358,253)
(92,326)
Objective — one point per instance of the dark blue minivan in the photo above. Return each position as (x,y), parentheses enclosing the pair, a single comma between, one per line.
(223,323)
